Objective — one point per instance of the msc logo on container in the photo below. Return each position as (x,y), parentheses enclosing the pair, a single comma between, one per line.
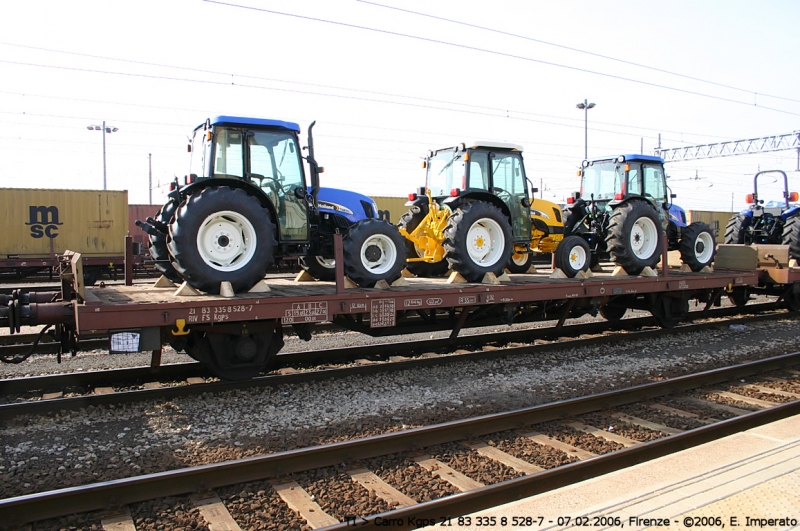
(43,221)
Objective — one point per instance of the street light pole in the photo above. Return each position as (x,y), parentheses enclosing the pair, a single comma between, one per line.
(105,130)
(585,106)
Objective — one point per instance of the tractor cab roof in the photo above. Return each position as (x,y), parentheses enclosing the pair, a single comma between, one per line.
(486,144)
(626,158)
(240,120)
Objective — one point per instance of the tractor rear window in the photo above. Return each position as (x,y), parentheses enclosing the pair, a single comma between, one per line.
(228,154)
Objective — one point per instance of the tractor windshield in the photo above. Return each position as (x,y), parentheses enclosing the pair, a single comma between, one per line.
(602,180)
(445,172)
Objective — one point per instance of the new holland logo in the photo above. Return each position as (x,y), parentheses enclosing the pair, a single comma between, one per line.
(43,221)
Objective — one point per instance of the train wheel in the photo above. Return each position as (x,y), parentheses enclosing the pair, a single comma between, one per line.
(739,297)
(222,234)
(669,311)
(236,356)
(613,313)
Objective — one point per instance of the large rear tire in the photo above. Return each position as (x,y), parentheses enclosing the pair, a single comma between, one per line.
(791,236)
(573,255)
(319,267)
(158,242)
(373,250)
(737,231)
(697,246)
(634,236)
(410,221)
(222,234)
(477,240)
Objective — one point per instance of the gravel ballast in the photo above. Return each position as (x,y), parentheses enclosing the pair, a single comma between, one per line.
(96,444)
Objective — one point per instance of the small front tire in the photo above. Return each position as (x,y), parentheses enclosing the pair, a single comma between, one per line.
(373,250)
(520,262)
(573,255)
(319,267)
(697,246)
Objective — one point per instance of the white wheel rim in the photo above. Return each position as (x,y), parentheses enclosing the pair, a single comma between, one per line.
(485,242)
(378,254)
(577,258)
(226,241)
(519,259)
(327,263)
(704,247)
(644,238)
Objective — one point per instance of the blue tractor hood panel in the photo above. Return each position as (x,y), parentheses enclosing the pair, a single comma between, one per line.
(677,215)
(241,120)
(351,205)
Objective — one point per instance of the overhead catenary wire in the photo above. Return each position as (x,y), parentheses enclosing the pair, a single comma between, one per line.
(495,52)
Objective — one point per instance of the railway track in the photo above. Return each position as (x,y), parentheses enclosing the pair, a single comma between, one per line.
(46,394)
(483,459)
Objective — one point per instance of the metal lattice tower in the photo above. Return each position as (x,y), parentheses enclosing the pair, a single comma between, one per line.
(735,147)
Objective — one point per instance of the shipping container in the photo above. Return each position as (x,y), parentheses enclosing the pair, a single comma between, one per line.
(40,224)
(140,212)
(716,220)
(391,208)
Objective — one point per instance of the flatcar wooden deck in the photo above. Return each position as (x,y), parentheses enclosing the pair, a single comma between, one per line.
(291,302)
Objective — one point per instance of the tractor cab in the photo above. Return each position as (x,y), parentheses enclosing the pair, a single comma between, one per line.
(263,153)
(486,171)
(609,182)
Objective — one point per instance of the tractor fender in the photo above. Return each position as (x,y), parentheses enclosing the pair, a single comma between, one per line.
(791,212)
(454,202)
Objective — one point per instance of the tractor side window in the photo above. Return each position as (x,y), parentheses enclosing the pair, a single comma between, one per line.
(276,167)
(634,181)
(654,183)
(228,154)
(478,170)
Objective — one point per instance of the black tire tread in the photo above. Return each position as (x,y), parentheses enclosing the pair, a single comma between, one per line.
(687,245)
(618,236)
(455,245)
(352,243)
(791,236)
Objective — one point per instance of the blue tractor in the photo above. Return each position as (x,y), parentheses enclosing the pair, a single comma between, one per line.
(245,204)
(773,222)
(622,212)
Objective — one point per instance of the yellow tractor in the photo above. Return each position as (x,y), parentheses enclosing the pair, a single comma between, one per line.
(474,215)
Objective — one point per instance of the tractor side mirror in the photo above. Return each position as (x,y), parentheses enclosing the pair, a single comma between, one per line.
(526,202)
(673,196)
(534,190)
(189,148)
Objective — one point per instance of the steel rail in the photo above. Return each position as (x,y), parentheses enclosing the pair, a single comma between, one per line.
(538,483)
(34,407)
(39,506)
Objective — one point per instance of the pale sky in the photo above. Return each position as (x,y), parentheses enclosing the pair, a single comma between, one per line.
(388,80)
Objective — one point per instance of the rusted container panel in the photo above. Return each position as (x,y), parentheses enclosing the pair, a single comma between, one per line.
(391,208)
(140,212)
(716,220)
(41,222)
